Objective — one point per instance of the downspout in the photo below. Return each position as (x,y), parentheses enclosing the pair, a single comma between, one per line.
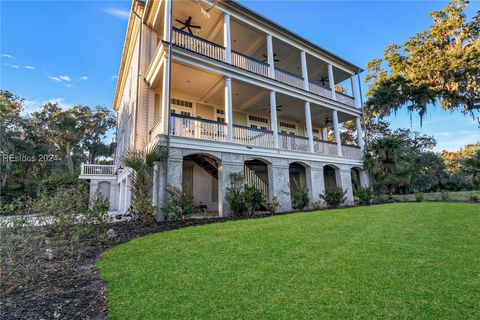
(169,87)
(138,77)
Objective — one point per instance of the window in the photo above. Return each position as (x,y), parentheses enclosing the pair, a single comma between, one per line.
(182,103)
(288,125)
(257,119)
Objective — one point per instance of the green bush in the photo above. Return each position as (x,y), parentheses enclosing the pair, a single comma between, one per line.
(58,179)
(474,197)
(242,199)
(419,196)
(365,194)
(334,197)
(300,198)
(253,199)
(272,206)
(379,198)
(179,204)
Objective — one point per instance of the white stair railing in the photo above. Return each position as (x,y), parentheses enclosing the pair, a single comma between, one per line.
(252,180)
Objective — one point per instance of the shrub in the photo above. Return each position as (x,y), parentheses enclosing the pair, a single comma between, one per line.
(419,196)
(334,197)
(253,199)
(300,198)
(317,205)
(365,194)
(272,206)
(179,204)
(474,197)
(235,196)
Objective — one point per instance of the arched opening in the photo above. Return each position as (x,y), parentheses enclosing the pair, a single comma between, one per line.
(330,177)
(298,183)
(355,173)
(256,174)
(104,189)
(200,181)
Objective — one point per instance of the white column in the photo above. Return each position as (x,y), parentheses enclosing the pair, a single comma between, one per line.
(308,119)
(270,60)
(165,117)
(229,108)
(227,43)
(356,94)
(359,133)
(325,134)
(337,133)
(331,82)
(273,118)
(167,21)
(303,62)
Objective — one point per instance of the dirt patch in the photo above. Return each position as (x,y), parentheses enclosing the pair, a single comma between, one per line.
(75,290)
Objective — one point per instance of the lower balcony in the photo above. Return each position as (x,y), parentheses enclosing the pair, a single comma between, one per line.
(91,171)
(197,128)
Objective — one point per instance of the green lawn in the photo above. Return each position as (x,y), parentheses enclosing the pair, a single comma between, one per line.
(407,260)
(435,196)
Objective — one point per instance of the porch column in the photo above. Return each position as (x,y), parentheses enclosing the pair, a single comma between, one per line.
(346,184)
(273,118)
(167,21)
(356,94)
(318,183)
(331,82)
(165,117)
(229,108)
(359,133)
(227,38)
(325,134)
(303,61)
(337,133)
(270,60)
(308,120)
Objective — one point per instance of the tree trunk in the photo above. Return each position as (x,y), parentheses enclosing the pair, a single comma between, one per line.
(69,157)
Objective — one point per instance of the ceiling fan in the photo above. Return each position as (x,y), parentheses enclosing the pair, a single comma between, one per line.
(188,25)
(323,80)
(267,109)
(327,121)
(265,58)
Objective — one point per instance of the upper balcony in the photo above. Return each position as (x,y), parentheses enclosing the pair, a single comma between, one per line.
(199,110)
(217,36)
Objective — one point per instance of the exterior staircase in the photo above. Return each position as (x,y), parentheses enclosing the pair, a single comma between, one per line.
(253,180)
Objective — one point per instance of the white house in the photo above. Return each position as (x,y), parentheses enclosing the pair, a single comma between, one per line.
(230,91)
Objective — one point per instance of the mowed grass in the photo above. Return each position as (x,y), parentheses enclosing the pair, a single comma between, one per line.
(406,260)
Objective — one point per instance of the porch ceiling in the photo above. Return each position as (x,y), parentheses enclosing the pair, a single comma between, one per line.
(211,22)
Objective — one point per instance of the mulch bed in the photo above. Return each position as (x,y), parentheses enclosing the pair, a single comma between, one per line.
(75,291)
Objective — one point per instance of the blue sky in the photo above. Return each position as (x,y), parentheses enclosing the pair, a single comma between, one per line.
(70,51)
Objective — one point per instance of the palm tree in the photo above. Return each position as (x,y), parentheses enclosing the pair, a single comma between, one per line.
(390,162)
(67,126)
(142,163)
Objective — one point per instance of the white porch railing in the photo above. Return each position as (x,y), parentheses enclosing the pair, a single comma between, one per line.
(293,142)
(320,90)
(184,126)
(249,64)
(198,45)
(190,127)
(252,180)
(252,137)
(325,147)
(97,169)
(288,78)
(346,99)
(353,152)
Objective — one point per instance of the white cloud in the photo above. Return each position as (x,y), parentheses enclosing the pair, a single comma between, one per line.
(64,78)
(117,13)
(83,78)
(9,56)
(114,77)
(30,67)
(15,66)
(30,106)
(56,79)
(68,85)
